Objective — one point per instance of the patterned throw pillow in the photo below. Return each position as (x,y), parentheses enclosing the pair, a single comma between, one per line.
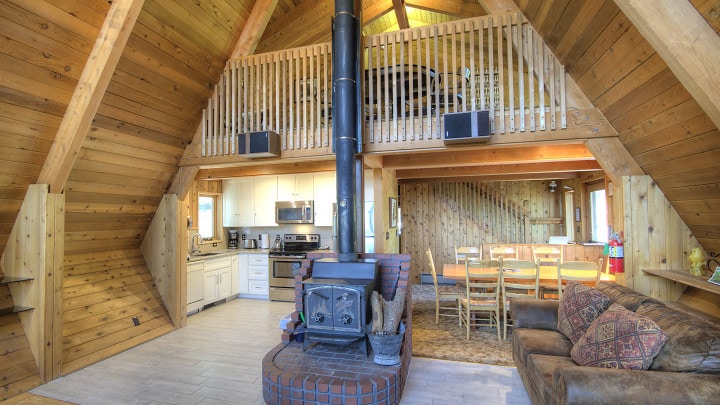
(619,338)
(579,307)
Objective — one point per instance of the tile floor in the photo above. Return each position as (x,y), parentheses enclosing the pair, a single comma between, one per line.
(217,358)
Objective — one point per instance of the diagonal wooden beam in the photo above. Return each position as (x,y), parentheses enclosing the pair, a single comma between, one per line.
(254,28)
(685,41)
(401,14)
(89,92)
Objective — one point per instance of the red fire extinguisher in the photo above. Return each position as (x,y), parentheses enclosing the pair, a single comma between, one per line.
(616,254)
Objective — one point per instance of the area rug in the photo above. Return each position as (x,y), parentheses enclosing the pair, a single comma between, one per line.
(447,341)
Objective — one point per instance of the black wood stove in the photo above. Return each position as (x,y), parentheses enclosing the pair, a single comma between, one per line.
(336,302)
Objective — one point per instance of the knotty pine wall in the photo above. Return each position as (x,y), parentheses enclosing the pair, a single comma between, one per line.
(437,216)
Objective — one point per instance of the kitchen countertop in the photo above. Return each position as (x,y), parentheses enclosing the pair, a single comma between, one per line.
(223,253)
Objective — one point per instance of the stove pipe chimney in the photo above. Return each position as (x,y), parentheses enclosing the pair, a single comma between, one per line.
(346,124)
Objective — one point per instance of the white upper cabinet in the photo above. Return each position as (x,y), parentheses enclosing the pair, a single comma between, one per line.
(265,190)
(238,202)
(295,187)
(325,196)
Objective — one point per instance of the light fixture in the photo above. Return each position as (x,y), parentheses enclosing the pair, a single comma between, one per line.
(553,185)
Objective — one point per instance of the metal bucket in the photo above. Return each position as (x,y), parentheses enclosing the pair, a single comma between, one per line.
(386,348)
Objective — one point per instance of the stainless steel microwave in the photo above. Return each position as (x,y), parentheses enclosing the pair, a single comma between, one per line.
(294,212)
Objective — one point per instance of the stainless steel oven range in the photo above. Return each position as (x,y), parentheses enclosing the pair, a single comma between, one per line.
(285,264)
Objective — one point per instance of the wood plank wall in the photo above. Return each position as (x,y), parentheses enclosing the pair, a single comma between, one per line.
(441,216)
(657,238)
(102,292)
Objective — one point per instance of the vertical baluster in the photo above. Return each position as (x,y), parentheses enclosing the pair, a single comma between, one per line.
(473,71)
(422,90)
(483,69)
(463,69)
(500,95)
(226,110)
(491,74)
(400,41)
(530,76)
(563,111)
(509,38)
(552,83)
(541,80)
(411,89)
(521,75)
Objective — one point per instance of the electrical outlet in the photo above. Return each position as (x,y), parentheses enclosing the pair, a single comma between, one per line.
(215,244)
(136,321)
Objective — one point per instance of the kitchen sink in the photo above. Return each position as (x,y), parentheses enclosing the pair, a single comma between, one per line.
(207,254)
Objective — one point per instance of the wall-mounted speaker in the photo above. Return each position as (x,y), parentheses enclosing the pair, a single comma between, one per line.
(466,127)
(259,144)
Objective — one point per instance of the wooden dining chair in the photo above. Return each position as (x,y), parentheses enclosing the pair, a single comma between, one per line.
(549,256)
(509,252)
(520,279)
(585,272)
(446,297)
(480,306)
(463,253)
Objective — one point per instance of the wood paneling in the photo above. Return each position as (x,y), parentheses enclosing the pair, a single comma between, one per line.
(441,216)
(102,292)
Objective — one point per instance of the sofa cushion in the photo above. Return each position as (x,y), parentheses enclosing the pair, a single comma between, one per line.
(693,343)
(542,371)
(579,307)
(627,297)
(539,341)
(619,338)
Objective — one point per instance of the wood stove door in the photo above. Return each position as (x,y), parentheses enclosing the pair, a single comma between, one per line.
(318,308)
(347,316)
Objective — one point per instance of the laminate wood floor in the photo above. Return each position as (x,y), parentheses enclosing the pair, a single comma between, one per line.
(217,358)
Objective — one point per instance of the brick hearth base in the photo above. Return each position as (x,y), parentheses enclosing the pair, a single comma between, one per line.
(334,374)
(327,374)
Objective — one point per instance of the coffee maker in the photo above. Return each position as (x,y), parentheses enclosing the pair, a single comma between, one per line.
(233,242)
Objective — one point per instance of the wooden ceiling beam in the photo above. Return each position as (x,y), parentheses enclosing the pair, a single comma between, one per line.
(401,14)
(88,93)
(265,169)
(501,169)
(254,28)
(489,156)
(686,42)
(498,177)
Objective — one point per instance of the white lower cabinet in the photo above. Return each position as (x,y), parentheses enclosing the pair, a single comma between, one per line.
(218,279)
(254,275)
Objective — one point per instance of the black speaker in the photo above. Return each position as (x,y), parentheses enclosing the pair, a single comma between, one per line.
(466,127)
(259,144)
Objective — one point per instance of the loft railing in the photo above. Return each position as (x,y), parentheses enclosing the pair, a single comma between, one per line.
(411,78)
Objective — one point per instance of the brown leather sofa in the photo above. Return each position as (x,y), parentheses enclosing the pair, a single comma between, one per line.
(686,371)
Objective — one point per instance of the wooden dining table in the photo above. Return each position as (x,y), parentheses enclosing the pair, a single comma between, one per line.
(548,274)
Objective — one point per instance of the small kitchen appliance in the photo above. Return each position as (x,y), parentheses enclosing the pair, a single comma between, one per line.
(233,242)
(264,241)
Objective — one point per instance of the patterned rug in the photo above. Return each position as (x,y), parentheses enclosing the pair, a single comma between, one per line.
(447,341)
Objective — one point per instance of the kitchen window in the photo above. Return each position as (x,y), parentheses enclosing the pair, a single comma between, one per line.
(208,216)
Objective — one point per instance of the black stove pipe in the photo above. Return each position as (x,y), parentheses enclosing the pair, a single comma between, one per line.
(345,68)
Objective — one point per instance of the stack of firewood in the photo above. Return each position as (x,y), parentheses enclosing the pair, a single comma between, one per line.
(386,315)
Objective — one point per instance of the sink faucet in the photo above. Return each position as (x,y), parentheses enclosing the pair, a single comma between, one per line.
(195,249)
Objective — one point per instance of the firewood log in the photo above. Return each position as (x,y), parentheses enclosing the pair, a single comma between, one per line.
(392,311)
(376,303)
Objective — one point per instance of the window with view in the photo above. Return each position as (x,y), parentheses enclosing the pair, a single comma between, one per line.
(598,213)
(207,216)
